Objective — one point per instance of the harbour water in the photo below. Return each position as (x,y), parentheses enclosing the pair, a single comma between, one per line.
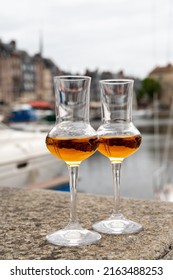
(137,173)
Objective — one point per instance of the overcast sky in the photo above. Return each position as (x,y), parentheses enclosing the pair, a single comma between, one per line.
(129,35)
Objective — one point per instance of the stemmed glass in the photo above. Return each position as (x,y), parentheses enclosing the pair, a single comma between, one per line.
(72,139)
(118,139)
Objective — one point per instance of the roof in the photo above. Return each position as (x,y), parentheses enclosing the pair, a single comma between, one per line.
(40,104)
(162,69)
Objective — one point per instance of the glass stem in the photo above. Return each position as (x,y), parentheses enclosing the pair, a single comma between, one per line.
(116,169)
(73,173)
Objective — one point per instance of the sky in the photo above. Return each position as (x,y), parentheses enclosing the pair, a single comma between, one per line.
(105,35)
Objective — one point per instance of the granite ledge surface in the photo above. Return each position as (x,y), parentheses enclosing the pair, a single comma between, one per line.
(26,216)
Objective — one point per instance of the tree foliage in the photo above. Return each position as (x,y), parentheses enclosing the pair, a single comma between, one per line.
(148,88)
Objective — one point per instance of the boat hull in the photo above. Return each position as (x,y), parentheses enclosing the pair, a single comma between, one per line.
(25,160)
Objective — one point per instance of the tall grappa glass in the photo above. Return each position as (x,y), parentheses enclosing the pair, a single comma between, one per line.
(118,139)
(73,140)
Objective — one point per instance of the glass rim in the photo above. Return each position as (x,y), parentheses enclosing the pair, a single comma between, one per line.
(117,81)
(72,77)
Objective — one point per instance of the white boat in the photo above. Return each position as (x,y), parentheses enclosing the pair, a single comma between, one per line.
(163,186)
(163,176)
(25,160)
(166,193)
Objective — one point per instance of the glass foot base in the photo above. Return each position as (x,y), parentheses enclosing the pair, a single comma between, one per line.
(73,237)
(117,225)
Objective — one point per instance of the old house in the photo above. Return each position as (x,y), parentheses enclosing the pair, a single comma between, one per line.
(164,75)
(10,72)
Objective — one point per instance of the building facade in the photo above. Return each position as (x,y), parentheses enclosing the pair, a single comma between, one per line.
(24,77)
(6,72)
(164,75)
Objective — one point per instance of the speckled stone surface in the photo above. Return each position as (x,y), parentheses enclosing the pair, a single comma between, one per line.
(26,216)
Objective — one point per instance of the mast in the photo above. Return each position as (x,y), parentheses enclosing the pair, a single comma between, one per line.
(41,43)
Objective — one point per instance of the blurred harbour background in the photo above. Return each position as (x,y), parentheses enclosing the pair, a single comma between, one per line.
(27,99)
(145,175)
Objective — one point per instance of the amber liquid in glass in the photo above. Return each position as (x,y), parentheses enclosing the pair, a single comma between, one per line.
(116,148)
(72,150)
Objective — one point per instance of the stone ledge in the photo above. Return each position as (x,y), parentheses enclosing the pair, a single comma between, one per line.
(26,216)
